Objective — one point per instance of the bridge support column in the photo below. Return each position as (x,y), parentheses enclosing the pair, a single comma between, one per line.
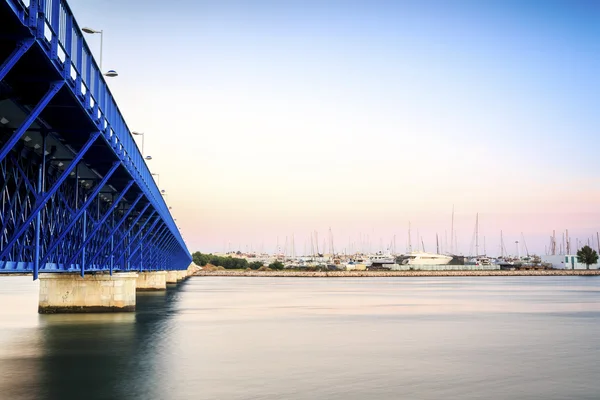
(172,277)
(156,280)
(182,275)
(70,293)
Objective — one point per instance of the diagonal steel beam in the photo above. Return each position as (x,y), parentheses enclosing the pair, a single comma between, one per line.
(8,146)
(168,247)
(140,230)
(134,245)
(43,200)
(24,176)
(157,244)
(162,243)
(15,56)
(80,212)
(168,255)
(150,230)
(158,241)
(116,228)
(100,223)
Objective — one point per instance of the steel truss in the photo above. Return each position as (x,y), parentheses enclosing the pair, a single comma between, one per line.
(52,220)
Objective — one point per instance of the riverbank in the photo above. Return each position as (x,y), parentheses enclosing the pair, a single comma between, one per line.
(363,274)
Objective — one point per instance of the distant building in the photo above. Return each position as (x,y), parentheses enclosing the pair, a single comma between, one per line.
(565,261)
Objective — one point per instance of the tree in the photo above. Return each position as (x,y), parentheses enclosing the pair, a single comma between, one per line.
(276,265)
(225,262)
(200,259)
(587,256)
(255,264)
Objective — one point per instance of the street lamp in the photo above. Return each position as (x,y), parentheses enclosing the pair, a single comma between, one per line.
(93,31)
(112,73)
(143,136)
(148,158)
(158,178)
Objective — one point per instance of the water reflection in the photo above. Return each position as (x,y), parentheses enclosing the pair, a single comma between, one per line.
(335,339)
(91,356)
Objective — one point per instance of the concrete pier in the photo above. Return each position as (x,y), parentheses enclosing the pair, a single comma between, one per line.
(172,277)
(182,275)
(70,293)
(156,280)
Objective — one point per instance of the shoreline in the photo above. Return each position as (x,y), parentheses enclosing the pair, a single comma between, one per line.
(382,274)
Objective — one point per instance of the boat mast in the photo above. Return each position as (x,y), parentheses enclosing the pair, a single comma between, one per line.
(452,232)
(437,243)
(409,240)
(476,234)
(525,243)
(501,245)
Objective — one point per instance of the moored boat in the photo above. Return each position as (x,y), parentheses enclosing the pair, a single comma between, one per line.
(423,258)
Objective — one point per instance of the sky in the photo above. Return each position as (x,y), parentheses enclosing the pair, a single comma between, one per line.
(267,119)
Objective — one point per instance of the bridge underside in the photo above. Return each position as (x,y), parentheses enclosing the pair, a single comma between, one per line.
(75,194)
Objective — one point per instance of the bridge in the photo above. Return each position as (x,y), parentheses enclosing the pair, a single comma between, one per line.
(79,207)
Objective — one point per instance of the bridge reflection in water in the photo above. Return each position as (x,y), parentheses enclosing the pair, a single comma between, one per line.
(91,356)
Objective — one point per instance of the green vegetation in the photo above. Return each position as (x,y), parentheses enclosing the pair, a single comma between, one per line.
(587,256)
(255,264)
(225,262)
(276,265)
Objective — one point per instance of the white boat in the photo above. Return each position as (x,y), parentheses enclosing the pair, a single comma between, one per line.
(480,260)
(382,260)
(423,258)
(359,262)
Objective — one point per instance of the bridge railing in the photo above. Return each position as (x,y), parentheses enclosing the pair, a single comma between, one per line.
(54,22)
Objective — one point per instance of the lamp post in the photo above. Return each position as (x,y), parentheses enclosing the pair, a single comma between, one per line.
(158,178)
(112,73)
(101,32)
(164,194)
(143,136)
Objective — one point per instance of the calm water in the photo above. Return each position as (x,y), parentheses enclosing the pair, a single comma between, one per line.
(298,338)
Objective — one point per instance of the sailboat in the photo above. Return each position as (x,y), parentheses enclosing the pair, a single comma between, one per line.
(478,259)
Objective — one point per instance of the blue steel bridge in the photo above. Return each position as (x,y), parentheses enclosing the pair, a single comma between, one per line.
(75,193)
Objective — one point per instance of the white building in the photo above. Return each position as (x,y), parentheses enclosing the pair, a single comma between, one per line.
(565,261)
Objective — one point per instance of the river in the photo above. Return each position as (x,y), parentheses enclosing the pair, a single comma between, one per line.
(312,338)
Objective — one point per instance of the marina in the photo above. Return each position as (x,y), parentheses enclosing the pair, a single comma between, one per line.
(357,256)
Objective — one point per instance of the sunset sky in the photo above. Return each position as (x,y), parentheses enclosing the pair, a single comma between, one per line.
(268,119)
